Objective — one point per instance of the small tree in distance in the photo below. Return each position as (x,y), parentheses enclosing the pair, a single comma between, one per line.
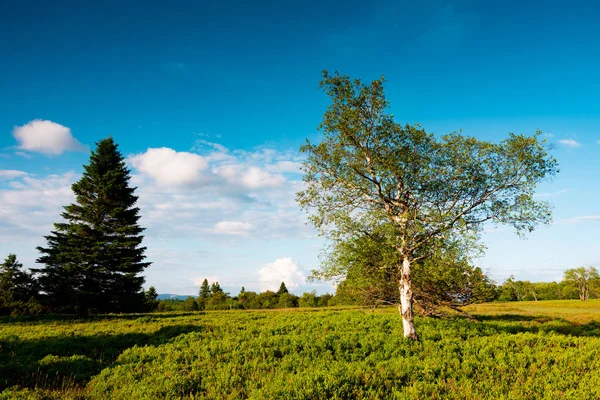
(18,289)
(585,279)
(282,288)
(215,288)
(151,298)
(204,289)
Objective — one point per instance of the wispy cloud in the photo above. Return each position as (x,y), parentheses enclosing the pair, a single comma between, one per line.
(232,227)
(23,154)
(581,218)
(572,143)
(23,215)
(546,195)
(8,174)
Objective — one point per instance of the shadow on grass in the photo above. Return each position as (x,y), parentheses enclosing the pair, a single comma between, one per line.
(515,323)
(68,361)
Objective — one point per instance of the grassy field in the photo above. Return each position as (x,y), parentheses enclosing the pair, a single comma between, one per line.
(527,350)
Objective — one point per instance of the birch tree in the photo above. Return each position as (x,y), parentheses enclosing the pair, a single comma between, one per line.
(367,167)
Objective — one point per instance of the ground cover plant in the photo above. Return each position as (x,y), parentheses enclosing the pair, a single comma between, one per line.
(517,350)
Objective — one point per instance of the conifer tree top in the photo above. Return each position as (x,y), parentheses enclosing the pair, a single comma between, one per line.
(282,289)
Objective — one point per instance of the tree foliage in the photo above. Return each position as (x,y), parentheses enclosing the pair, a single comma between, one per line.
(94,257)
(151,296)
(282,289)
(367,272)
(18,289)
(585,279)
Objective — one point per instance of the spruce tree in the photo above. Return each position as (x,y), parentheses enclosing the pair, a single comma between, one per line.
(93,259)
(204,294)
(215,288)
(282,288)
(204,290)
(18,289)
(151,296)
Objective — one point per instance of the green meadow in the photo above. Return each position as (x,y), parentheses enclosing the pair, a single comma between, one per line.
(517,350)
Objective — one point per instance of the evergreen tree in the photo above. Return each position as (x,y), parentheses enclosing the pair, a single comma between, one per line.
(151,298)
(216,288)
(204,290)
(218,298)
(18,289)
(204,294)
(93,259)
(282,289)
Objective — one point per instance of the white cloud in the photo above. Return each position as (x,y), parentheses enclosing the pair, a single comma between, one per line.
(31,206)
(23,154)
(286,166)
(281,270)
(8,174)
(250,177)
(570,143)
(232,227)
(201,144)
(255,178)
(46,137)
(169,167)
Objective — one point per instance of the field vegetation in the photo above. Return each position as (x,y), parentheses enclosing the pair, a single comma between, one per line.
(517,350)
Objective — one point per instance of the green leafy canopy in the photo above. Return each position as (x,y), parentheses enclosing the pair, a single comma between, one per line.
(368,169)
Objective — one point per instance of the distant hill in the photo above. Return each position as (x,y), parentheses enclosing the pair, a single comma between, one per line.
(166,296)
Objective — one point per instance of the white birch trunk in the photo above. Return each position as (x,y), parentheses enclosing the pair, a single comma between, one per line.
(406,301)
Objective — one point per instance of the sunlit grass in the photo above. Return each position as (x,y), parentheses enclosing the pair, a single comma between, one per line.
(526,350)
(571,310)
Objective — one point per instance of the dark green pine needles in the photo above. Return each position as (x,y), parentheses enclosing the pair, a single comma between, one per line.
(93,259)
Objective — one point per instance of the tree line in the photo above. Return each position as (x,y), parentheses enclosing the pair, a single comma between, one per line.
(212,297)
(20,293)
(355,293)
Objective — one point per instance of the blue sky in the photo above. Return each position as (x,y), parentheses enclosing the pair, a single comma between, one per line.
(211,100)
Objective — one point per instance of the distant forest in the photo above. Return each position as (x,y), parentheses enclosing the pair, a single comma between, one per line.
(20,294)
(212,297)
